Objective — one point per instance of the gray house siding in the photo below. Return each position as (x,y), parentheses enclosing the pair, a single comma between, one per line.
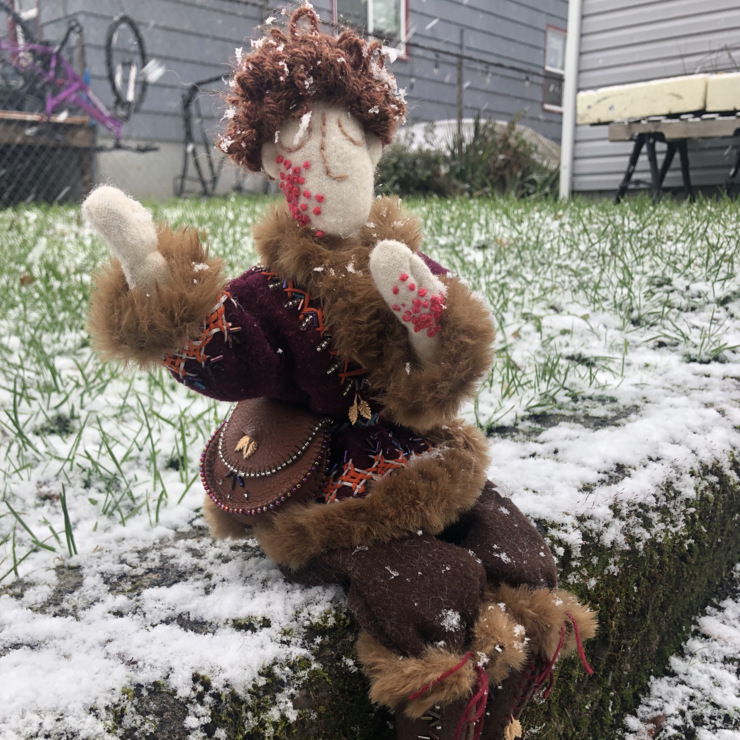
(196,40)
(627,41)
(501,31)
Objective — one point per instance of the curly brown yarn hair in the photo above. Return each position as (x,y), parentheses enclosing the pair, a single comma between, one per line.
(287,71)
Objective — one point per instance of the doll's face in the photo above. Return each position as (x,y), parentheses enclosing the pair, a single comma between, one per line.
(325,164)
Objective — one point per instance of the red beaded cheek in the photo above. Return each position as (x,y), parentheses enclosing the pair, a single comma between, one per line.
(290,182)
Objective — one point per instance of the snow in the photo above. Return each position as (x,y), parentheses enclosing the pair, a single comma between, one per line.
(450,620)
(702,689)
(103,639)
(302,128)
(644,407)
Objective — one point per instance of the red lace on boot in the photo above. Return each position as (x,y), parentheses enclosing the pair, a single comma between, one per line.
(534,679)
(476,707)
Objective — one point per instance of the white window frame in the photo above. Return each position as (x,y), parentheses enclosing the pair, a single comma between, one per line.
(553,70)
(402,49)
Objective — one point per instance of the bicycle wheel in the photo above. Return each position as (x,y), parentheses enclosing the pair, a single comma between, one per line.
(18,87)
(125,58)
(13,27)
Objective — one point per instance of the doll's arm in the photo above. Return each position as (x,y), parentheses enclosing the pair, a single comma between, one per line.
(413,293)
(162,299)
(152,296)
(450,331)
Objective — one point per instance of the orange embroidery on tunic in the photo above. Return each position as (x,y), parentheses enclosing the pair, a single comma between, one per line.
(357,478)
(304,306)
(195,349)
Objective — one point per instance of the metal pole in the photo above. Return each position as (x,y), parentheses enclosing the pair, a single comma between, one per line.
(460,93)
(570,89)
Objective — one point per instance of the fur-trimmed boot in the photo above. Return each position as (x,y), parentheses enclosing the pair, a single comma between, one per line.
(442,694)
(517,640)
(556,625)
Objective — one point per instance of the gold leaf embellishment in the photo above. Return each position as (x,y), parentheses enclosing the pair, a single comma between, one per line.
(513,730)
(353,412)
(247,446)
(365,409)
(360,408)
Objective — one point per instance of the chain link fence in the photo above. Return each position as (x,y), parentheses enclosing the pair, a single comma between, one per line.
(129,93)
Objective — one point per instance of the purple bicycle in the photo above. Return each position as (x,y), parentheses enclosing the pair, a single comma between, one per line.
(36,76)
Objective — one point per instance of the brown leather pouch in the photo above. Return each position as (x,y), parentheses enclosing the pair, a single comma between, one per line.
(266,454)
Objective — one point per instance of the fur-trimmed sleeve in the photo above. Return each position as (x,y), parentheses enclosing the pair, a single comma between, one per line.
(133,326)
(424,396)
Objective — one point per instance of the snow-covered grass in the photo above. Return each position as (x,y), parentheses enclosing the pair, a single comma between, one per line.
(617,372)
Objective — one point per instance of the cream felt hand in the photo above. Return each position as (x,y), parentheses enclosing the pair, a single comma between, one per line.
(130,232)
(414,294)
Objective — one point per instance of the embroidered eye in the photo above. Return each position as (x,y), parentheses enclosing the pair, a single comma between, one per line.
(300,145)
(347,136)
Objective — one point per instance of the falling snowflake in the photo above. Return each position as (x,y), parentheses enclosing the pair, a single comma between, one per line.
(305,121)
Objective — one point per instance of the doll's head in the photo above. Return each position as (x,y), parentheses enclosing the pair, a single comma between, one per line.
(314,111)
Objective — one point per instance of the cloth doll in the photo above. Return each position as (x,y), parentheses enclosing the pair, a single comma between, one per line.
(454,589)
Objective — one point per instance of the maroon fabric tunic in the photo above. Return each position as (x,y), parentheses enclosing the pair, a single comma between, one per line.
(266,339)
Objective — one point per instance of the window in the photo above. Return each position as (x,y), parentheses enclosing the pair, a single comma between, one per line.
(384,19)
(552,93)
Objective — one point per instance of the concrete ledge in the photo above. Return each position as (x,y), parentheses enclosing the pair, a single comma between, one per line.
(644,610)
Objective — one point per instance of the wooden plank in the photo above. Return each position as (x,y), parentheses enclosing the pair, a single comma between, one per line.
(15,133)
(657,97)
(674,129)
(723,92)
(17,115)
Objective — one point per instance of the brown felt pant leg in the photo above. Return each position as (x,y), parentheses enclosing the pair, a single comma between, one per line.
(409,593)
(509,546)
(421,590)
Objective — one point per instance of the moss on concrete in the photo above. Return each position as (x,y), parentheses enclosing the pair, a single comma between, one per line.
(645,611)
(646,605)
(332,703)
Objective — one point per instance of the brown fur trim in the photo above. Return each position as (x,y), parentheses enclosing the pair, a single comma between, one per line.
(542,612)
(432,394)
(129,326)
(222,525)
(431,494)
(363,327)
(393,679)
(498,637)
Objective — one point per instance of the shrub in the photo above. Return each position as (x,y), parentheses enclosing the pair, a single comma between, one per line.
(405,170)
(492,160)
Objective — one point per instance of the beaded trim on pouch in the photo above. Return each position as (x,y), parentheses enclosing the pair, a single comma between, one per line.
(278,501)
(270,471)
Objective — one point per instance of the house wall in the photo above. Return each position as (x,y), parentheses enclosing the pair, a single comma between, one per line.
(505,31)
(196,39)
(627,41)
